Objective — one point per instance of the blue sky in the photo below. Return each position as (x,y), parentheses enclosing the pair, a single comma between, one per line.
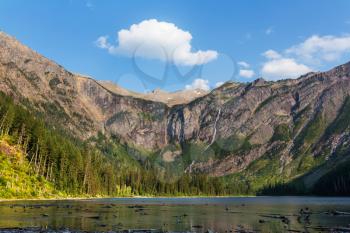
(239,40)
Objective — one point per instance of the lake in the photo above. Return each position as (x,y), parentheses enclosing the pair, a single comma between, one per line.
(226,214)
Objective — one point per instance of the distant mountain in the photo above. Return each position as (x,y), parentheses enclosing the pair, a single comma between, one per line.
(263,133)
(158,95)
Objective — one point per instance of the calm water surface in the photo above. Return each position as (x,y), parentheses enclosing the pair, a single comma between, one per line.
(260,214)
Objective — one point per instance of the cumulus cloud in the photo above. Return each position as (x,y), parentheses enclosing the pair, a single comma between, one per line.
(198,84)
(246,73)
(317,49)
(282,68)
(160,40)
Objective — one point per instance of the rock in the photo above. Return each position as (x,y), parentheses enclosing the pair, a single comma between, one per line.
(240,119)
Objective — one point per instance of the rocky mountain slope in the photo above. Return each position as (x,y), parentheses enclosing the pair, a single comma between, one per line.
(302,122)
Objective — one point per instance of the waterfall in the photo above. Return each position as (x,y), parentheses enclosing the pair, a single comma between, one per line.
(214,133)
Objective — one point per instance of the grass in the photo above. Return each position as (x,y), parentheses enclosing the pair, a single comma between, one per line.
(265,170)
(231,145)
(299,119)
(310,135)
(17,179)
(342,122)
(282,133)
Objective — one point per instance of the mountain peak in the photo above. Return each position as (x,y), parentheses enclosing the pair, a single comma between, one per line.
(340,71)
(158,91)
(154,120)
(259,81)
(345,67)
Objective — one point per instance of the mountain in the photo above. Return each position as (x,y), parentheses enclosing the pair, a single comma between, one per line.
(84,105)
(262,133)
(158,95)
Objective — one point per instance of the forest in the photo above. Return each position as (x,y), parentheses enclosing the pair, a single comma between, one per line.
(97,167)
(103,166)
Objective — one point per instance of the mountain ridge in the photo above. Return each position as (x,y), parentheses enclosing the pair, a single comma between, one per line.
(230,130)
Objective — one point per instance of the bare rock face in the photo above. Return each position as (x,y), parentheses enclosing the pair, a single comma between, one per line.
(238,122)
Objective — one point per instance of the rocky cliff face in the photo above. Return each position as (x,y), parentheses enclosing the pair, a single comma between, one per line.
(222,131)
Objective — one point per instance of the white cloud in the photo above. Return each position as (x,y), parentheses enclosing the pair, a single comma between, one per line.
(278,66)
(155,39)
(102,42)
(198,84)
(243,64)
(317,49)
(268,31)
(282,68)
(246,73)
(272,54)
(218,84)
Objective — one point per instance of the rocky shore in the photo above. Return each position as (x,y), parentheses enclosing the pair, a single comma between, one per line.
(44,230)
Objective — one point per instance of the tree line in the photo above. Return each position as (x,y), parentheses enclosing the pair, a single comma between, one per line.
(76,167)
(103,166)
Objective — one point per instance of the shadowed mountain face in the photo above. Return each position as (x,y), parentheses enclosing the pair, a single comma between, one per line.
(221,132)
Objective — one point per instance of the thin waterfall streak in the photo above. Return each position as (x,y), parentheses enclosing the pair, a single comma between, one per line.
(214,133)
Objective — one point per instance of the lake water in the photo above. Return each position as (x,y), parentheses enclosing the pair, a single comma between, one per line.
(231,214)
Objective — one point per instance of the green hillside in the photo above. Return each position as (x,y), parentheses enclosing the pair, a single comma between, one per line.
(62,165)
(17,179)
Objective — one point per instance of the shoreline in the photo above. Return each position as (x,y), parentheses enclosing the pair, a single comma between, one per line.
(148,197)
(110,197)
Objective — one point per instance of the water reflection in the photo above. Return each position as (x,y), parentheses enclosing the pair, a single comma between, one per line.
(263,214)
